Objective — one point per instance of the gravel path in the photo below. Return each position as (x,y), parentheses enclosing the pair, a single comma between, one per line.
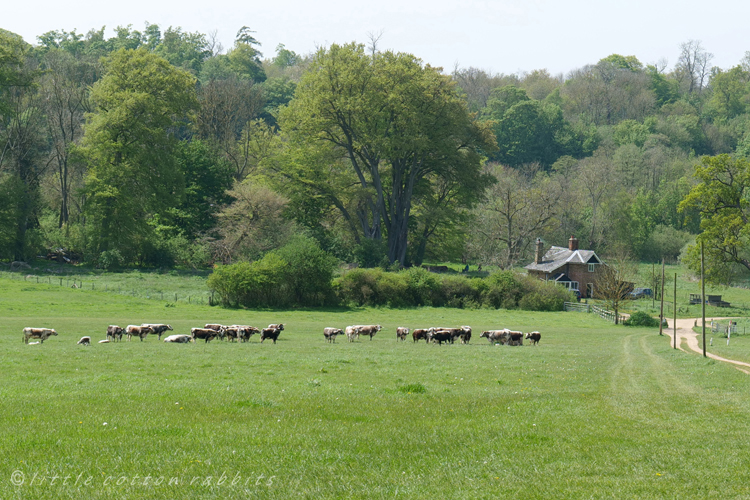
(685,332)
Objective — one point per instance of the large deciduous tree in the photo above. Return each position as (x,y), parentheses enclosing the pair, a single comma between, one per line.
(129,145)
(396,122)
(723,199)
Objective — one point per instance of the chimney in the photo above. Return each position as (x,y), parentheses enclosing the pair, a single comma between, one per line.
(539,251)
(573,244)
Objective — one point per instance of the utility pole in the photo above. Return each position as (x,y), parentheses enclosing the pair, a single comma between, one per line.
(674,325)
(703,300)
(661,313)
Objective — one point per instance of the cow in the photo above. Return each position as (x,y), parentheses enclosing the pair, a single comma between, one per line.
(86,340)
(230,333)
(271,333)
(244,332)
(206,334)
(516,338)
(352,332)
(453,332)
(421,333)
(370,330)
(440,336)
(137,331)
(179,339)
(214,326)
(158,328)
(534,336)
(105,341)
(114,332)
(330,334)
(496,336)
(465,335)
(401,333)
(37,333)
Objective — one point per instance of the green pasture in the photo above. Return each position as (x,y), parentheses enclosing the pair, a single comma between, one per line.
(594,411)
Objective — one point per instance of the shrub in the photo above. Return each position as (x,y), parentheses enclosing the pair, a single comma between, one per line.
(423,287)
(641,318)
(461,292)
(501,289)
(540,295)
(299,274)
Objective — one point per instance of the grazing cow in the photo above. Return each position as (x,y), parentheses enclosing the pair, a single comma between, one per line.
(214,326)
(496,336)
(158,328)
(440,336)
(137,331)
(466,335)
(114,332)
(37,333)
(179,339)
(534,336)
(370,330)
(516,338)
(230,333)
(330,334)
(401,333)
(352,332)
(453,332)
(203,333)
(271,333)
(84,341)
(247,331)
(421,333)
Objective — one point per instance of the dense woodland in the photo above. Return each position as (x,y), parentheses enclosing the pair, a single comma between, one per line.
(161,148)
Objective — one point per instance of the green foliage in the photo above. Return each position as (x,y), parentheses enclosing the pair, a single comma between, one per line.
(299,274)
(543,295)
(641,318)
(130,147)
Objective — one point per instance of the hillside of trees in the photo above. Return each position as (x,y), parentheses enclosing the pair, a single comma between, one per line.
(161,148)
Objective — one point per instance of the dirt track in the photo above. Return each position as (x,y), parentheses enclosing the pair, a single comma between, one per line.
(685,332)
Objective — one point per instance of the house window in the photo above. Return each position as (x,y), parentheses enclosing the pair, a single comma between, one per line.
(591,268)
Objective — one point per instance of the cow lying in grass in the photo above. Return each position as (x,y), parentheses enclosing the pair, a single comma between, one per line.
(179,339)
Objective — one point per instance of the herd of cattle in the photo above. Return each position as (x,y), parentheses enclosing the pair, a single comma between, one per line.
(436,335)
(242,333)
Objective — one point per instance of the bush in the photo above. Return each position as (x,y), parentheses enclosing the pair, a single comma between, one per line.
(540,295)
(461,292)
(299,274)
(641,318)
(423,287)
(501,289)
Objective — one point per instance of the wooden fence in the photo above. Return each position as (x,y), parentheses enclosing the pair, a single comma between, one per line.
(588,308)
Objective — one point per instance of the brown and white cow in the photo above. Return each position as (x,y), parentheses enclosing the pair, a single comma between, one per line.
(330,334)
(206,334)
(137,331)
(496,336)
(85,340)
(421,333)
(465,335)
(244,332)
(272,332)
(535,337)
(114,332)
(37,333)
(352,332)
(369,330)
(401,333)
(158,328)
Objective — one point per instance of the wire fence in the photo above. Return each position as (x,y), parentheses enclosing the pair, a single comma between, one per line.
(205,297)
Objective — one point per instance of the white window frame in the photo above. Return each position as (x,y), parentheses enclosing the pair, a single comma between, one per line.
(592,268)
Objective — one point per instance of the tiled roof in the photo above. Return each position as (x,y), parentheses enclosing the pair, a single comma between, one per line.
(556,257)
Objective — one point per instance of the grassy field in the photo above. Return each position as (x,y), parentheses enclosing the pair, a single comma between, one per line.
(594,411)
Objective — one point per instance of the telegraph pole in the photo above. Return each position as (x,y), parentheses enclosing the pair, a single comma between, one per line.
(703,300)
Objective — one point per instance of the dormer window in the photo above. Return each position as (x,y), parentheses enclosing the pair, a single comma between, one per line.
(591,268)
